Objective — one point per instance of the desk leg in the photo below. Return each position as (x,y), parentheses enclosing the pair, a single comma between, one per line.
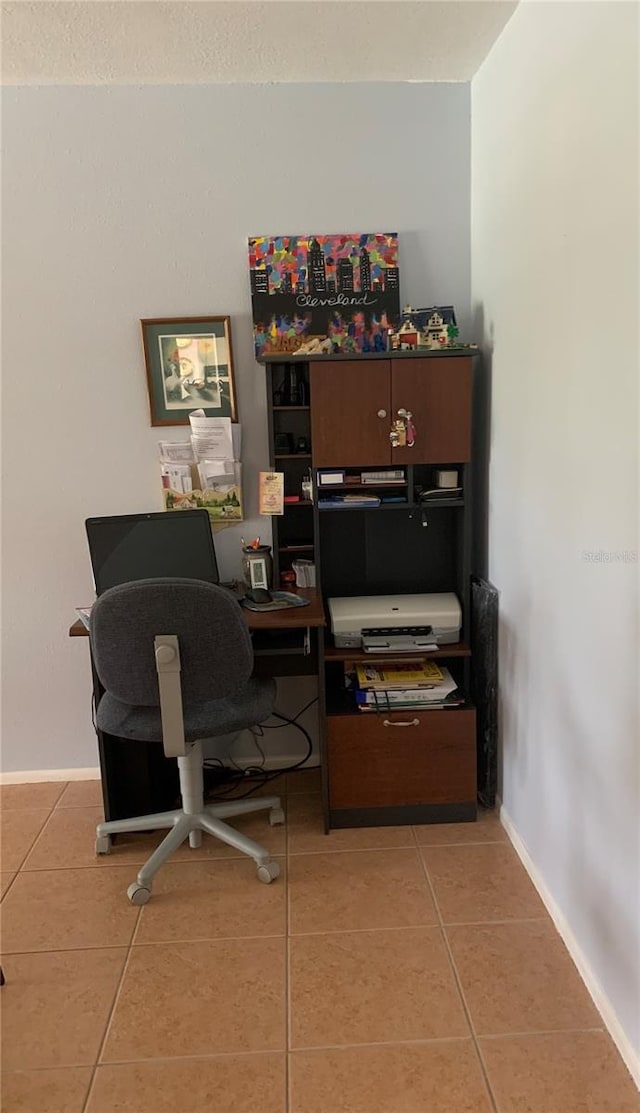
(137,779)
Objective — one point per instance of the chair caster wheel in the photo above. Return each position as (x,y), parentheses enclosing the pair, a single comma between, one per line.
(276,817)
(137,894)
(103,844)
(268,872)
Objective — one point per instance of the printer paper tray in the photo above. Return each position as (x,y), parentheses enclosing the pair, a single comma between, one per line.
(398,645)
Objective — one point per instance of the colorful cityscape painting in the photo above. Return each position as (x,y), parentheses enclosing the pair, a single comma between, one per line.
(322,295)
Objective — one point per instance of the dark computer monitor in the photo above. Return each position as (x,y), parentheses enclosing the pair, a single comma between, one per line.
(142,546)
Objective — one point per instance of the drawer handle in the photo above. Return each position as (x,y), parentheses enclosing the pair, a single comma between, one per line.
(410,723)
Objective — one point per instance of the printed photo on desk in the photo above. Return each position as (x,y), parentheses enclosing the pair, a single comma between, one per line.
(189,362)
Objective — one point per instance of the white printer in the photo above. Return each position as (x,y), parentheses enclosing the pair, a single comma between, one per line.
(396,623)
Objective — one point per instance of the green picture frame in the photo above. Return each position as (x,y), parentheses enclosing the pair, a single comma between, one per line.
(189,363)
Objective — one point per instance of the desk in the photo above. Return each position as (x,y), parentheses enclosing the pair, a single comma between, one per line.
(137,779)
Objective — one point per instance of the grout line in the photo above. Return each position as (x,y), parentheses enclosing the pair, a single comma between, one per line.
(446,845)
(10,885)
(390,1043)
(481,1063)
(225,1055)
(35,837)
(351,850)
(430,926)
(495,923)
(538,1032)
(112,1010)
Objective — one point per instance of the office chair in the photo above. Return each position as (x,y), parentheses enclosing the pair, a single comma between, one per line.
(175,659)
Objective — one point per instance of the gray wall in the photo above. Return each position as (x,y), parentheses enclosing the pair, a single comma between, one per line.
(122,203)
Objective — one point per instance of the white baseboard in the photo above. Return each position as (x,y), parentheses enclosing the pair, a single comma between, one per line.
(597,994)
(34,776)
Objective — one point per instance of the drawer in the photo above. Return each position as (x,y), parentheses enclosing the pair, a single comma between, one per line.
(376,761)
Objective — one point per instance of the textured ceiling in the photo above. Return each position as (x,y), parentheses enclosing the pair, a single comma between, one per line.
(118,42)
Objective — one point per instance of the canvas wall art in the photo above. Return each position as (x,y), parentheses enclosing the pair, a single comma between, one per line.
(323,295)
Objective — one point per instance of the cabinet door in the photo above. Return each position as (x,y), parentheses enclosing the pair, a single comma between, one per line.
(438,394)
(346,400)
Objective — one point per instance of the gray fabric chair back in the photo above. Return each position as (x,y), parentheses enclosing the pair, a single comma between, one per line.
(215,646)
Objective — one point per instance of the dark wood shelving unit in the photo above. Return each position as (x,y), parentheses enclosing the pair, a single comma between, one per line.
(373,773)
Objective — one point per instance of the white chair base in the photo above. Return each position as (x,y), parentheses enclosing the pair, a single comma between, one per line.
(189,822)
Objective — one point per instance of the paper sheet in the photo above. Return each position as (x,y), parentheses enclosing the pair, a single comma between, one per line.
(271,492)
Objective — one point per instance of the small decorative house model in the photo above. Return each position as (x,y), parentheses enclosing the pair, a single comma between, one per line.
(432,328)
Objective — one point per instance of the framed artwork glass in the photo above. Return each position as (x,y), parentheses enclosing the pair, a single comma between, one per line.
(189,364)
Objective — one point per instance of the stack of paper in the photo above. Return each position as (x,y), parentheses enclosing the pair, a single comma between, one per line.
(205,471)
(305,571)
(216,444)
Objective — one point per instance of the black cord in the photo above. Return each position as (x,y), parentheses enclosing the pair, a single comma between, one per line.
(262,776)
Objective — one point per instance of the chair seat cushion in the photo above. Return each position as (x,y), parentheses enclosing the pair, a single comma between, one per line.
(248,707)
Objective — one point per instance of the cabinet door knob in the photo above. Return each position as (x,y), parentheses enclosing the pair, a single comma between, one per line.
(382,413)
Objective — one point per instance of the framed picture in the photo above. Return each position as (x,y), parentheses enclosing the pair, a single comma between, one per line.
(322,295)
(189,367)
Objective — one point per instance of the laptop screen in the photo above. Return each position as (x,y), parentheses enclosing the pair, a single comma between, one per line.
(142,546)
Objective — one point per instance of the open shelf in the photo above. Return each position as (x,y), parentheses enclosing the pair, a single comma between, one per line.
(342,701)
(296,548)
(292,456)
(290,408)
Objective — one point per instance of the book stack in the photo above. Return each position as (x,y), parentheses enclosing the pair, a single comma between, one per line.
(337,502)
(402,686)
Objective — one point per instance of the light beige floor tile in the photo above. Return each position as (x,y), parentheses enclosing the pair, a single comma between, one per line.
(481,882)
(81,794)
(42,794)
(306,831)
(372,986)
(55,910)
(18,831)
(46,1091)
(572,1072)
(55,1006)
(487,828)
(212,900)
(5,880)
(69,840)
(401,1078)
(362,889)
(232,1084)
(304,780)
(519,978)
(194,998)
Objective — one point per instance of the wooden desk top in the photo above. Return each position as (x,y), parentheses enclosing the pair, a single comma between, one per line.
(296,617)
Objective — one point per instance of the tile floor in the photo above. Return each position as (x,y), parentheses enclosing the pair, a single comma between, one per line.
(388,970)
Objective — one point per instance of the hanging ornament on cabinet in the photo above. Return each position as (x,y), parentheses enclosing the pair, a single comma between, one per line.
(403,430)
